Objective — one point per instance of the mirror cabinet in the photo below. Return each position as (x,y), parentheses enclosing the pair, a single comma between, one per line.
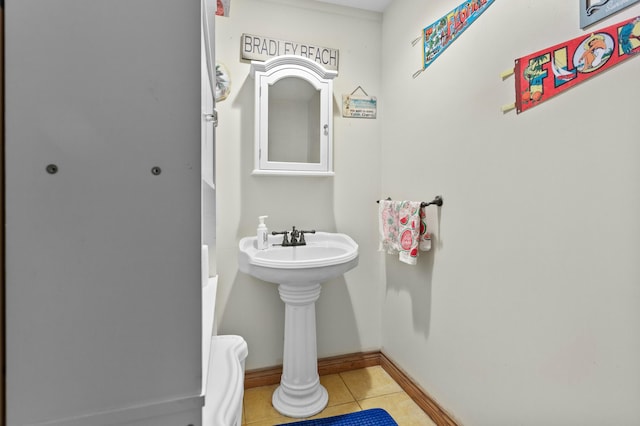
(293,117)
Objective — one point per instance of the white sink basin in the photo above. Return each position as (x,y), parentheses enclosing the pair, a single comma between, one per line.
(326,256)
(299,272)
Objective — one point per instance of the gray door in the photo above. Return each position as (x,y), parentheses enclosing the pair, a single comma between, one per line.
(102,205)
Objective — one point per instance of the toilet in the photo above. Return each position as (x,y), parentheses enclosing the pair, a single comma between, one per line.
(222,362)
(225,382)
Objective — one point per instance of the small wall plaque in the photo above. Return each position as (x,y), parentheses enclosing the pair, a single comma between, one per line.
(358,106)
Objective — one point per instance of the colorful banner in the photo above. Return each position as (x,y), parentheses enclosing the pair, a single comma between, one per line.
(592,11)
(439,35)
(544,74)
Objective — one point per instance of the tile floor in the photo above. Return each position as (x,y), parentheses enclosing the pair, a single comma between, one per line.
(350,391)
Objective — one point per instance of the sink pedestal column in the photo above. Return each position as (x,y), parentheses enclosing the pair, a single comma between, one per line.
(300,393)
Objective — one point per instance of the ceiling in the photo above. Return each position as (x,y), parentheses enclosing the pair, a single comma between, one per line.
(374,5)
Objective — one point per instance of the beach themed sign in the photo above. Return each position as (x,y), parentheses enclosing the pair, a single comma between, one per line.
(442,33)
(592,11)
(261,48)
(359,106)
(548,72)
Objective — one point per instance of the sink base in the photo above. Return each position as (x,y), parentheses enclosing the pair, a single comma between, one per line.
(300,393)
(299,403)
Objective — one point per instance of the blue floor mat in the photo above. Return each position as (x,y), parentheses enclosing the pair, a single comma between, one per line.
(372,417)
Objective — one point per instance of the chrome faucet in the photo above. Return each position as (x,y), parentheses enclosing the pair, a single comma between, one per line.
(297,237)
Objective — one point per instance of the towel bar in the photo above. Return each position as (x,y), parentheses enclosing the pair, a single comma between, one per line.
(437,201)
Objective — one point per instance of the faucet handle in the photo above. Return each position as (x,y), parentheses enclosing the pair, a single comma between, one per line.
(285,238)
(302,241)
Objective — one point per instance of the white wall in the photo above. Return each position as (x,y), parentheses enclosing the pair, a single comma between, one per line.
(349,309)
(527,311)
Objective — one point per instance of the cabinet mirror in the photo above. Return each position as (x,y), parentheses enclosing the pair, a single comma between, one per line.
(293,111)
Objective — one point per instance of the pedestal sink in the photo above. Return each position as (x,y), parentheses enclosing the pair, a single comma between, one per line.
(299,272)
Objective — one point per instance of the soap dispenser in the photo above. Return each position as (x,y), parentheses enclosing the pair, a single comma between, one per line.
(263,233)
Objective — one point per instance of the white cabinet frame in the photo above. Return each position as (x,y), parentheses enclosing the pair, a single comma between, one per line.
(266,74)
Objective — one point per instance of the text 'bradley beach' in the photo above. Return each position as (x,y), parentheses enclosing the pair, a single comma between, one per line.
(261,48)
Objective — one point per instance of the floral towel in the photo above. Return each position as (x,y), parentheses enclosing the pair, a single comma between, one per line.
(425,237)
(403,227)
(388,225)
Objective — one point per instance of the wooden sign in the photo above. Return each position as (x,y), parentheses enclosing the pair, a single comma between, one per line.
(358,106)
(260,48)
(354,106)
